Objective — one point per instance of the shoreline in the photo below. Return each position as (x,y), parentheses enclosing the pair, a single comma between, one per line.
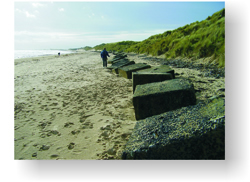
(22,54)
(69,107)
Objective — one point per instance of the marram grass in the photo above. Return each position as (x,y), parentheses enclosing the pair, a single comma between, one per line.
(196,40)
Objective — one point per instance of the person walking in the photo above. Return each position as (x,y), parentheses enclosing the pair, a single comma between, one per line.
(104,55)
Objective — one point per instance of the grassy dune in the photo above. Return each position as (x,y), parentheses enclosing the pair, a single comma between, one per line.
(196,40)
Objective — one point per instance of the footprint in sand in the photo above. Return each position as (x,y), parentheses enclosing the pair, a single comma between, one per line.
(43,124)
(83,118)
(104,135)
(107,127)
(54,156)
(68,124)
(44,147)
(75,132)
(54,104)
(53,132)
(71,145)
(87,125)
(53,115)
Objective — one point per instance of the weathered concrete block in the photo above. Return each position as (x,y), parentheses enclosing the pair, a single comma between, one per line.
(117,63)
(126,71)
(140,78)
(115,68)
(117,57)
(159,97)
(192,132)
(119,53)
(120,60)
(160,69)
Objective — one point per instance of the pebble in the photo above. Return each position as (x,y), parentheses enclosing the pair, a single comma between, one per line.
(209,70)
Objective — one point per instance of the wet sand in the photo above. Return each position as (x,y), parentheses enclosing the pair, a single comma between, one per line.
(68,107)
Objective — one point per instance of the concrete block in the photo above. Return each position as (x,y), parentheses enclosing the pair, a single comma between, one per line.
(115,68)
(116,58)
(120,60)
(159,97)
(117,63)
(194,132)
(140,78)
(160,69)
(119,53)
(126,71)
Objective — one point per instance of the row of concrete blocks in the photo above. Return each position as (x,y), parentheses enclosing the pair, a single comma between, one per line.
(155,88)
(171,126)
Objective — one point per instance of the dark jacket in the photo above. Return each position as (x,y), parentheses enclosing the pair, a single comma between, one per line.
(104,54)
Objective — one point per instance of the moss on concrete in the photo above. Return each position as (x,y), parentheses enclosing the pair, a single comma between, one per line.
(162,87)
(117,63)
(126,71)
(159,97)
(115,68)
(116,58)
(159,69)
(140,78)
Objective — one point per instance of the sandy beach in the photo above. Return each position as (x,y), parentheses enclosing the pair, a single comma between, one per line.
(69,107)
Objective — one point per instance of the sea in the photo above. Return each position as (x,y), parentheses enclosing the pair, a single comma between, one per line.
(36,53)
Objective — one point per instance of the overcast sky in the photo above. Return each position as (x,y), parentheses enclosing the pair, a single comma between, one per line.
(63,25)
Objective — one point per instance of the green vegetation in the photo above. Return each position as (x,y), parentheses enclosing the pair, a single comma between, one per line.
(118,46)
(196,40)
(86,48)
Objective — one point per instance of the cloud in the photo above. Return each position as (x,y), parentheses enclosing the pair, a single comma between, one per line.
(19,11)
(91,15)
(28,15)
(77,39)
(61,9)
(44,34)
(36,5)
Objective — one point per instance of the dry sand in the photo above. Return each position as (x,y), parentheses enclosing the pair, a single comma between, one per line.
(69,107)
